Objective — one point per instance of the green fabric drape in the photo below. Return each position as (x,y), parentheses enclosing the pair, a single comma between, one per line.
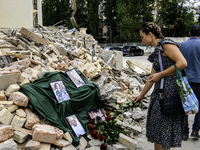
(82,100)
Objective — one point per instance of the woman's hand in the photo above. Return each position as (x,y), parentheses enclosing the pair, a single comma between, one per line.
(139,97)
(154,77)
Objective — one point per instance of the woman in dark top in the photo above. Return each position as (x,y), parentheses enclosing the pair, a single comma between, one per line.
(61,93)
(164,131)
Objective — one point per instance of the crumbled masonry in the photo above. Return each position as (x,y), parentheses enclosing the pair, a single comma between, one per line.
(28,54)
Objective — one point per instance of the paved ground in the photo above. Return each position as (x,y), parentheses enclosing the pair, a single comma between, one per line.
(144,145)
(186,145)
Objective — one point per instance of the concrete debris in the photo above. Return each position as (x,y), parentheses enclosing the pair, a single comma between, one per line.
(36,51)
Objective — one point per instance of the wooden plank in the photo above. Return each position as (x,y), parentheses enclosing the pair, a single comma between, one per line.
(26,131)
(33,37)
(6,102)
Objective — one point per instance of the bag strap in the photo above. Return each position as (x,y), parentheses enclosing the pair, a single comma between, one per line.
(161,69)
(179,76)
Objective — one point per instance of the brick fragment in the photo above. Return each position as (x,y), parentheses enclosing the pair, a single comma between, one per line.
(6,133)
(32,145)
(19,99)
(44,133)
(3,96)
(31,119)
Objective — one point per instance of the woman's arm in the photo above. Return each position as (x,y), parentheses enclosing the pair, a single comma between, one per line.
(175,55)
(146,88)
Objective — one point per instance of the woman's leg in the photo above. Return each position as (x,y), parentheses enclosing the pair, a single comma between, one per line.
(158,147)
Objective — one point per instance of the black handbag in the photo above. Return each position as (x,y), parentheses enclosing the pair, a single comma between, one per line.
(169,105)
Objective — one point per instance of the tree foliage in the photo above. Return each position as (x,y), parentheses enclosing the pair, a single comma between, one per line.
(130,14)
(123,18)
(175,18)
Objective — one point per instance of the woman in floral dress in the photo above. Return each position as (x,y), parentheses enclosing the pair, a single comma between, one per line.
(164,131)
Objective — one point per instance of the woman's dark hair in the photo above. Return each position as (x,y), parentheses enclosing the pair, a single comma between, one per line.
(55,85)
(195,30)
(153,28)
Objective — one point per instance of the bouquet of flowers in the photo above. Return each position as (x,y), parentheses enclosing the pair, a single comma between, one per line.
(107,131)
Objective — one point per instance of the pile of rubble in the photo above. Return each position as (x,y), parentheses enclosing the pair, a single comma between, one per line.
(25,56)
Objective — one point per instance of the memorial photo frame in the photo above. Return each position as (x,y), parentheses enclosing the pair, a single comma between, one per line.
(97,112)
(59,91)
(75,125)
(75,78)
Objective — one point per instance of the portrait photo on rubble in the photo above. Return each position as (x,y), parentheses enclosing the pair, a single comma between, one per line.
(97,112)
(59,91)
(75,125)
(76,79)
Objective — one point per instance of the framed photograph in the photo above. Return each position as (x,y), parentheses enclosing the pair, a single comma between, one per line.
(74,76)
(59,91)
(97,112)
(75,125)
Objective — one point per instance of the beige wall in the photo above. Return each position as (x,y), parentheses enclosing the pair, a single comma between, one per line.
(39,10)
(16,13)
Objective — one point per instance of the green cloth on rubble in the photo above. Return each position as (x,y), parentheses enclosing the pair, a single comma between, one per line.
(82,100)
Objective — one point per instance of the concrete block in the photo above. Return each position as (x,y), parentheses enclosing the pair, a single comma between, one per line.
(70,147)
(5,116)
(21,113)
(45,146)
(62,143)
(83,143)
(8,145)
(68,137)
(127,141)
(7,80)
(12,88)
(18,121)
(114,59)
(20,137)
(2,107)
(11,108)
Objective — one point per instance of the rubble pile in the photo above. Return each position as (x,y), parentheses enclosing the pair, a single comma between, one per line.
(27,54)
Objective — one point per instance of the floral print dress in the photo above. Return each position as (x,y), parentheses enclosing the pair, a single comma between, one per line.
(164,130)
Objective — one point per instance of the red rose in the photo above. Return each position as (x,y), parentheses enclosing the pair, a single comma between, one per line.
(101,137)
(107,112)
(103,146)
(95,136)
(90,127)
(92,121)
(108,118)
(93,133)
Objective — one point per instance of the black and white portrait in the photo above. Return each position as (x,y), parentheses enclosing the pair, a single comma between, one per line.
(76,79)
(75,125)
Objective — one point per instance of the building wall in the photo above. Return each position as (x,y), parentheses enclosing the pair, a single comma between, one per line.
(16,13)
(39,10)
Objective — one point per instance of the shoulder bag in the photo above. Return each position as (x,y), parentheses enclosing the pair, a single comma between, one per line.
(169,105)
(188,98)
